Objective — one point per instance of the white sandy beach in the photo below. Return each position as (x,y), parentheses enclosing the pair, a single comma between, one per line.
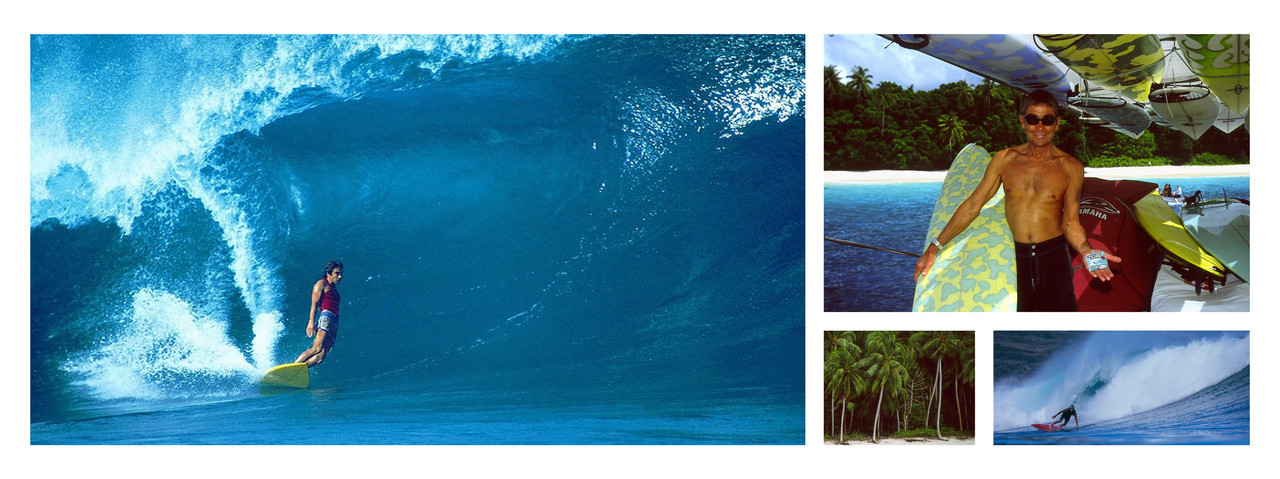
(892,176)
(915,441)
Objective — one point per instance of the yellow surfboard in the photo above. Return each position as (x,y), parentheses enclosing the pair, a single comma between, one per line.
(1164,226)
(292,375)
(1127,64)
(976,270)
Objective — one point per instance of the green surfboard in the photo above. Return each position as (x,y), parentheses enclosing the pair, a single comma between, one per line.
(1222,63)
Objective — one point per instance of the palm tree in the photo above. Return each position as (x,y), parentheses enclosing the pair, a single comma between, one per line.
(987,93)
(860,83)
(992,95)
(829,370)
(831,81)
(952,128)
(886,100)
(965,359)
(965,97)
(908,361)
(910,390)
(883,365)
(918,342)
(942,344)
(843,380)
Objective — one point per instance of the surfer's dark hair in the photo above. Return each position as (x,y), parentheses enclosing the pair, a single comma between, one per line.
(328,268)
(1039,97)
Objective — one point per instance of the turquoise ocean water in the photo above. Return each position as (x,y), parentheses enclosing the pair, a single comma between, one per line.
(896,215)
(547,240)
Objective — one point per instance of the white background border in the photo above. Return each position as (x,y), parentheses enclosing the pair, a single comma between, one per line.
(813,18)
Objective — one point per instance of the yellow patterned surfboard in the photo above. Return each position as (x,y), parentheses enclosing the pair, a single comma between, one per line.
(976,270)
(1128,64)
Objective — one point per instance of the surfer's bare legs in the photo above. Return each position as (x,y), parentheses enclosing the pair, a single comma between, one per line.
(314,355)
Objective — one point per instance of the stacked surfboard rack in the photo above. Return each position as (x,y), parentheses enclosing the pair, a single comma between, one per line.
(1122,82)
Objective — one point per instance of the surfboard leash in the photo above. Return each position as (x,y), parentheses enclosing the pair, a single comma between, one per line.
(867,246)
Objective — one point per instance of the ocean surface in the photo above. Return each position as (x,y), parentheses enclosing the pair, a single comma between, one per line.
(896,215)
(547,240)
(1128,387)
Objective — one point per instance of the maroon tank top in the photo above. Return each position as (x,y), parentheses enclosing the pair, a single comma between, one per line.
(329,299)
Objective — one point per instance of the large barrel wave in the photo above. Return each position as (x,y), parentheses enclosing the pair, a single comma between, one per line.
(1127,386)
(626,206)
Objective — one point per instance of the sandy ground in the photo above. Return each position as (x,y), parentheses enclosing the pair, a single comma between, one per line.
(887,176)
(951,441)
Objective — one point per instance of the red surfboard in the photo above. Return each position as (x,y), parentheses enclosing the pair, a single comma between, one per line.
(1046,427)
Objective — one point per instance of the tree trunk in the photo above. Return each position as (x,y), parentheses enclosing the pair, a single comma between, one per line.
(911,399)
(959,410)
(833,415)
(928,407)
(843,406)
(939,424)
(875,428)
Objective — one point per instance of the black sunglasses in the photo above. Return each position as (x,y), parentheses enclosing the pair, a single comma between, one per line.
(1048,120)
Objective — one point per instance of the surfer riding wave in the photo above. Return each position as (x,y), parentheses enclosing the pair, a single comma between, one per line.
(1068,413)
(324,327)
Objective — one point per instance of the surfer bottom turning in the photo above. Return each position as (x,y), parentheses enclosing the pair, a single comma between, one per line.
(1067,413)
(1044,276)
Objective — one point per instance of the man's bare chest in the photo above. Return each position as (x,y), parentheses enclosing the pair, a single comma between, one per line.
(1038,179)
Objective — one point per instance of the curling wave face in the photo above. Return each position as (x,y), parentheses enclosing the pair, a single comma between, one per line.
(1114,375)
(491,196)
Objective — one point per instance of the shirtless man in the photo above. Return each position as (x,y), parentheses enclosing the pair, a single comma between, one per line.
(1042,196)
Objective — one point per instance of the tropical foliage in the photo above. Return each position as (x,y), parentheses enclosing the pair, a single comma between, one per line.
(893,383)
(875,126)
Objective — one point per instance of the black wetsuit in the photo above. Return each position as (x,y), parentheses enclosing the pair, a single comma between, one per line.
(1066,415)
(1044,276)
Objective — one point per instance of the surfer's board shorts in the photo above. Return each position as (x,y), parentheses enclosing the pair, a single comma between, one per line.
(328,322)
(1044,276)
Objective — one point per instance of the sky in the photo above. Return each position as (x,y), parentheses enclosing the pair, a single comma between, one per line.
(894,64)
